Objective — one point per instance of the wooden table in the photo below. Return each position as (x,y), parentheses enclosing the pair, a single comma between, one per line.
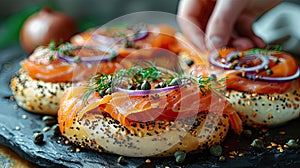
(9,159)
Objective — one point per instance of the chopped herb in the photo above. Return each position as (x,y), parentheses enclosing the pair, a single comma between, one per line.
(270,49)
(52,45)
(77,59)
(51,58)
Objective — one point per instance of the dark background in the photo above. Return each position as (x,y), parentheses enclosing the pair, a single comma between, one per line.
(88,13)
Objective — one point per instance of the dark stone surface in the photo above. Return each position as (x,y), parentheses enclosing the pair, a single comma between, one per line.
(53,153)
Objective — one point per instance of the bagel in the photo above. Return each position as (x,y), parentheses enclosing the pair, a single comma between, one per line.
(137,123)
(265,109)
(59,65)
(265,92)
(102,133)
(45,74)
(36,95)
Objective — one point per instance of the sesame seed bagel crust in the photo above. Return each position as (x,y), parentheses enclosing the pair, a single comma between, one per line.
(156,138)
(265,109)
(35,95)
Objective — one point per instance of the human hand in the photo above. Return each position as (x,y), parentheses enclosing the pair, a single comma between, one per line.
(220,23)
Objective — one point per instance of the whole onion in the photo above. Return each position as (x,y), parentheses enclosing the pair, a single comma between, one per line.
(45,26)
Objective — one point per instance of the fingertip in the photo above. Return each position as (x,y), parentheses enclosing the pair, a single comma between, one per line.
(215,42)
(242,43)
(259,42)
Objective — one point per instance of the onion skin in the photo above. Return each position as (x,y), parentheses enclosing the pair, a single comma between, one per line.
(43,27)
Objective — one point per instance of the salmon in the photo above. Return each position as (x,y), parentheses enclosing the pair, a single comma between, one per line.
(182,103)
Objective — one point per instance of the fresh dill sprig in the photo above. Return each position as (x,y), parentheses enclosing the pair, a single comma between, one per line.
(139,74)
(206,83)
(98,83)
(133,76)
(61,48)
(270,49)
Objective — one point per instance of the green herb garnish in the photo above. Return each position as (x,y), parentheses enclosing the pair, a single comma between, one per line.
(137,78)
(270,49)
(51,58)
(98,83)
(61,48)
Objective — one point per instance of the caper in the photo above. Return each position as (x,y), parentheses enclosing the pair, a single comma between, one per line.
(231,59)
(113,56)
(55,129)
(77,59)
(216,150)
(180,156)
(145,85)
(269,72)
(49,120)
(257,144)
(266,67)
(121,160)
(157,86)
(175,81)
(108,91)
(232,65)
(222,158)
(292,144)
(247,133)
(162,84)
(131,87)
(102,93)
(138,86)
(189,62)
(38,137)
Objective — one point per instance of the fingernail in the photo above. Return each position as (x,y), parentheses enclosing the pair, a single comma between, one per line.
(215,42)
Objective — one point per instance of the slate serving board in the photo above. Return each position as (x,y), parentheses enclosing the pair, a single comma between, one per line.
(52,153)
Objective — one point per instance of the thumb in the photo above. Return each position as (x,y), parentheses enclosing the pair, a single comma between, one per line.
(220,26)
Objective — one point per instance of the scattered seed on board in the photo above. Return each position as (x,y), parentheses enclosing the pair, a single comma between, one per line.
(180,156)
(292,144)
(49,120)
(55,129)
(18,128)
(121,160)
(24,116)
(216,150)
(222,158)
(38,137)
(257,144)
(46,129)
(247,133)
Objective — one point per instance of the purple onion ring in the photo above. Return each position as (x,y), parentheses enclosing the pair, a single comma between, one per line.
(97,58)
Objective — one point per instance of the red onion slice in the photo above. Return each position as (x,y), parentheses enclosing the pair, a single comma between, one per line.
(141,34)
(263,58)
(275,79)
(145,92)
(90,59)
